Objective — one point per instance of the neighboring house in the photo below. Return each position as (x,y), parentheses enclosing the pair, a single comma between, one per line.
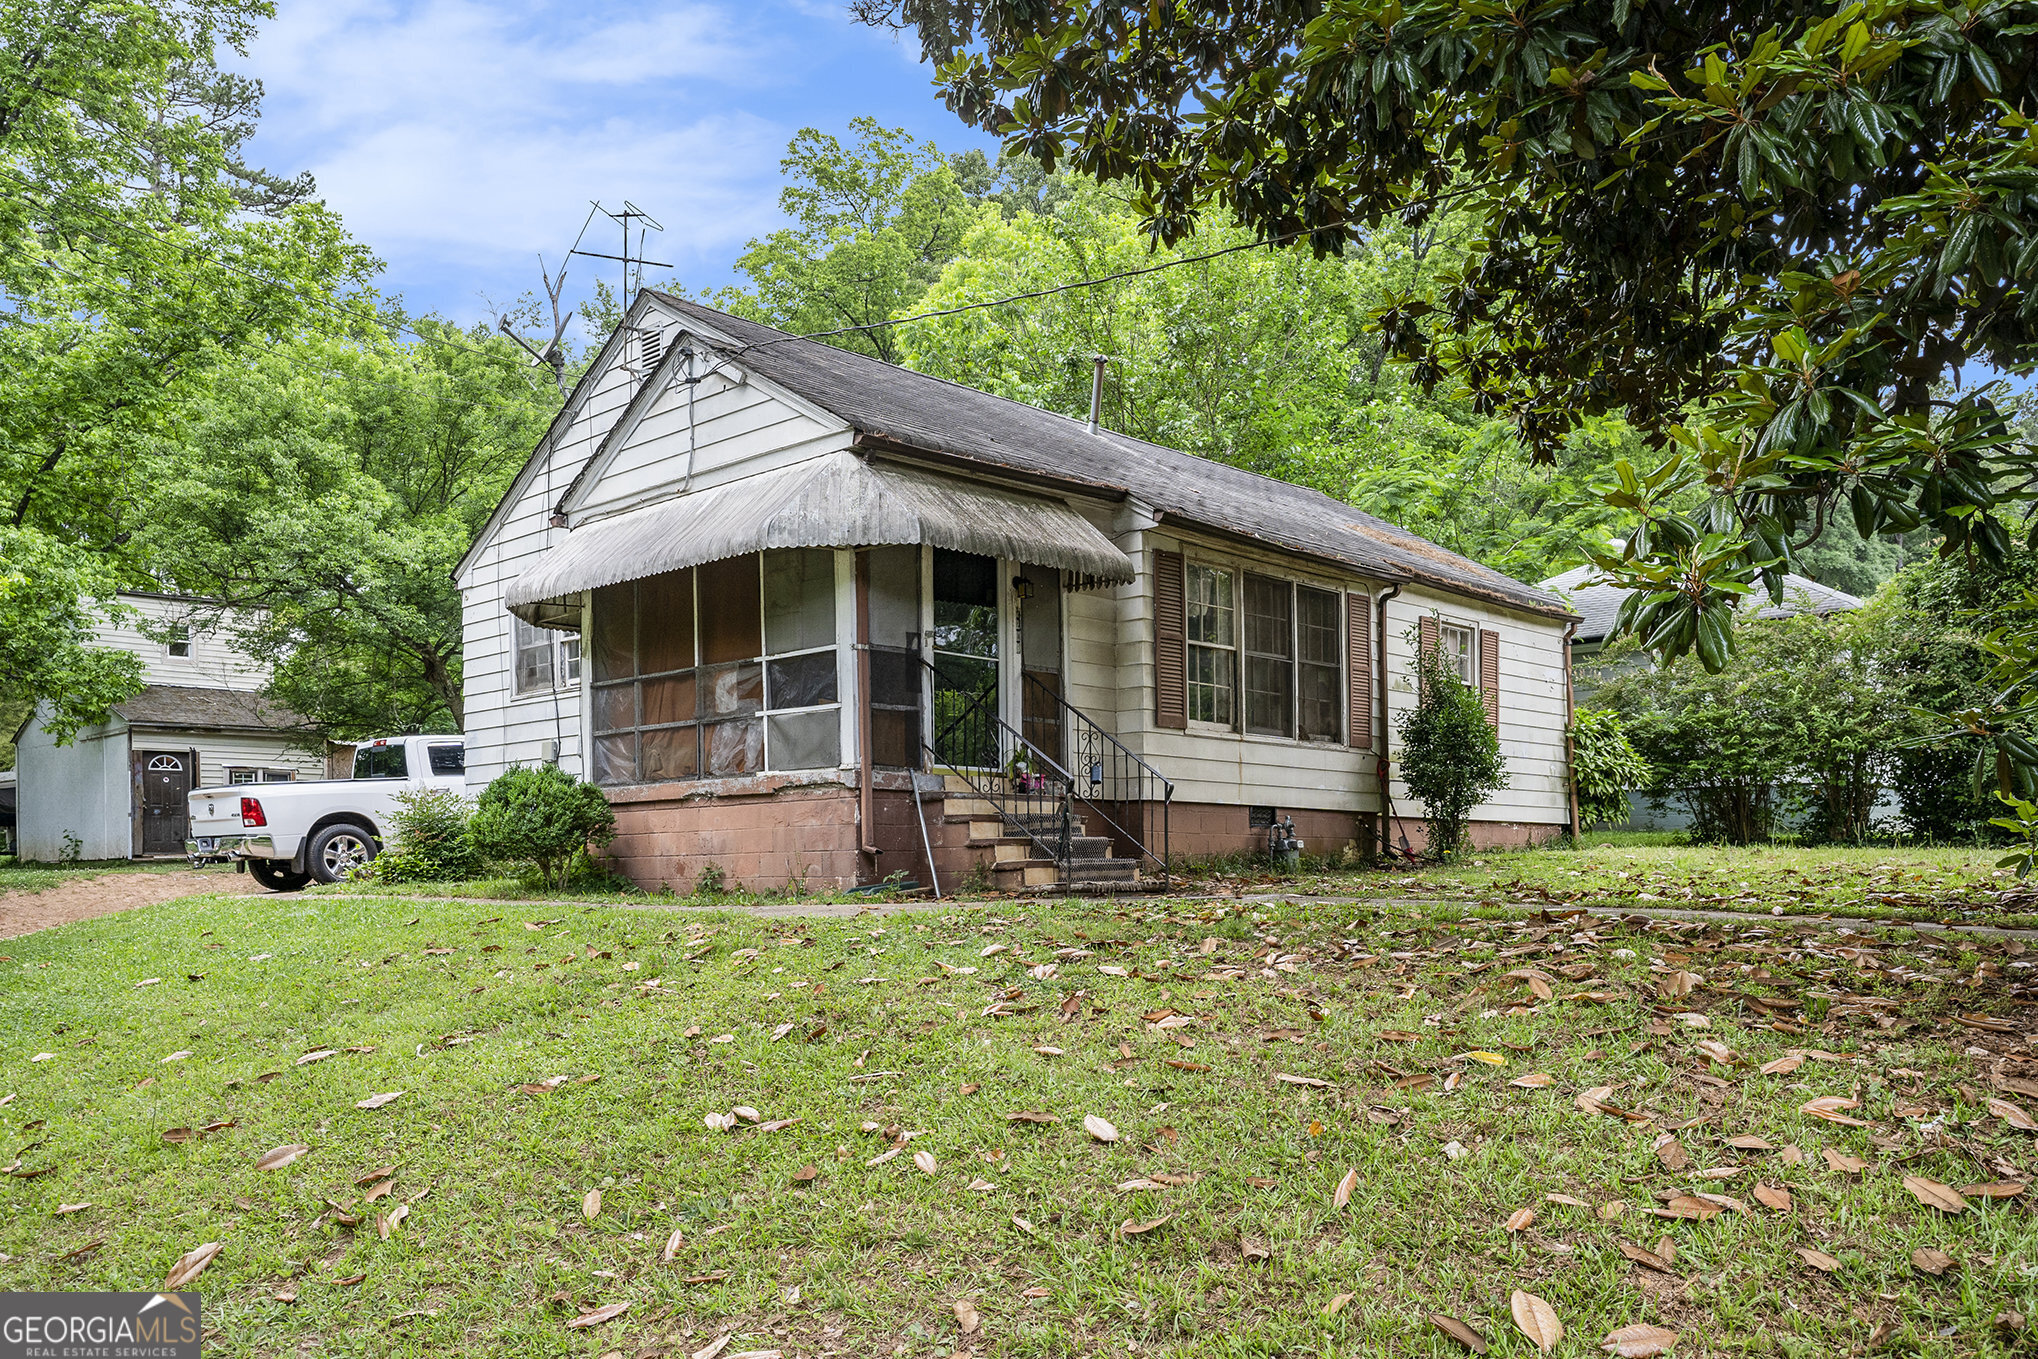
(117,790)
(1598,604)
(809,617)
(7,804)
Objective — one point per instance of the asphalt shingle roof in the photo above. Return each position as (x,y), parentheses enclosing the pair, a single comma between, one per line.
(900,406)
(1599,602)
(198,709)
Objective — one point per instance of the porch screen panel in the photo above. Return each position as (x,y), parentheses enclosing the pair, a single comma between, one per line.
(1359,684)
(893,579)
(1170,642)
(1269,656)
(645,679)
(1489,676)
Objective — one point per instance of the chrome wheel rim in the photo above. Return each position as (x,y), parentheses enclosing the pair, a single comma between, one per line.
(343,854)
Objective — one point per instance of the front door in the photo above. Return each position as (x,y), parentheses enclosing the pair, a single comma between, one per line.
(1040,669)
(966,660)
(166,780)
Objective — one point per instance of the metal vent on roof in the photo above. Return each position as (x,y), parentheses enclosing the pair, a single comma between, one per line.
(654,346)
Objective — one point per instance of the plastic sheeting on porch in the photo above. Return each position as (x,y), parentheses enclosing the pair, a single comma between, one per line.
(836,500)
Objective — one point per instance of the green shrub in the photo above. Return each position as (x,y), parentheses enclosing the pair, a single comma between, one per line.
(433,840)
(1450,756)
(1604,767)
(541,816)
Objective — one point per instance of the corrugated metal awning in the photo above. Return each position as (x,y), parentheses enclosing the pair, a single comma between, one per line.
(838,500)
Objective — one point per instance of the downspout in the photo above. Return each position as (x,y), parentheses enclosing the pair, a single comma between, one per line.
(1380,741)
(1570,733)
(866,783)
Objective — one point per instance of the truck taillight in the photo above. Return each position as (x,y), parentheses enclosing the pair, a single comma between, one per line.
(251,812)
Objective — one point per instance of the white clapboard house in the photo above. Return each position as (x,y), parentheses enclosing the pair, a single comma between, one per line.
(117,790)
(809,617)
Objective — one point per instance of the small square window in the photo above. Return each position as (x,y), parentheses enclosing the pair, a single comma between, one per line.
(180,640)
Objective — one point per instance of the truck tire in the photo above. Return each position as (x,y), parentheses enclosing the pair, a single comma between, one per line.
(338,850)
(277,875)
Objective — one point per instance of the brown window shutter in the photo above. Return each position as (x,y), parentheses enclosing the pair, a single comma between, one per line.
(1170,642)
(1359,671)
(1489,676)
(1427,639)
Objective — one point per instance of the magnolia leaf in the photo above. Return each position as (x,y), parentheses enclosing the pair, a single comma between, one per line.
(1671,1152)
(278,1157)
(380,1189)
(1830,1107)
(1131,1228)
(1520,1220)
(1535,1080)
(1309,1081)
(1842,1163)
(1645,1257)
(1750,1143)
(1994,1189)
(590,1206)
(1818,1259)
(966,1319)
(1933,1262)
(1459,1331)
(1639,1341)
(1934,1194)
(391,1220)
(1343,1194)
(2013,1115)
(1099,1128)
(925,1161)
(1773,1196)
(1336,1304)
(598,1316)
(674,1244)
(377,1101)
(190,1265)
(1782,1066)
(1536,1319)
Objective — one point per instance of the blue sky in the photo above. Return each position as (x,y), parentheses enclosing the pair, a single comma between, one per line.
(460,138)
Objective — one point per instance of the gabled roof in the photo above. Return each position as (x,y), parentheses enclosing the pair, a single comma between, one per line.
(897,407)
(1599,601)
(190,708)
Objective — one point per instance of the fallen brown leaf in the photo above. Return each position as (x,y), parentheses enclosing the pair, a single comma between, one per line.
(278,1157)
(1773,1196)
(1101,1129)
(190,1265)
(1818,1259)
(1536,1319)
(966,1319)
(1343,1193)
(1131,1228)
(2012,1114)
(598,1316)
(1459,1331)
(590,1206)
(377,1101)
(1933,1262)
(1933,1194)
(1520,1220)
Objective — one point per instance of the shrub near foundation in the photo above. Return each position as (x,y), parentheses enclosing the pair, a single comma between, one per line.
(541,816)
(1450,755)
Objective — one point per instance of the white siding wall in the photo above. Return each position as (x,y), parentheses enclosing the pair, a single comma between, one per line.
(212,664)
(1532,709)
(221,751)
(83,788)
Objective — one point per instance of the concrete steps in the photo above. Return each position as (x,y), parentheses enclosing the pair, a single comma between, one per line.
(971,836)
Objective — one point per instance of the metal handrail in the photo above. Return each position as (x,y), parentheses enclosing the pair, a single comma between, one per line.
(1036,805)
(1119,777)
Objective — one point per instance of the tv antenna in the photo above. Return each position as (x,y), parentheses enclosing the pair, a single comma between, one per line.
(631,218)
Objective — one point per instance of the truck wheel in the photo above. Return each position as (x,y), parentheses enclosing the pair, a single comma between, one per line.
(338,850)
(277,875)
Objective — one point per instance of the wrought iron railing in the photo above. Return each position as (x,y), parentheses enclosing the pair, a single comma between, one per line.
(1129,796)
(1035,791)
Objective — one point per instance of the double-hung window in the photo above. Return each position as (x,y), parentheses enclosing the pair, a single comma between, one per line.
(1461,652)
(546,658)
(1213,646)
(1294,660)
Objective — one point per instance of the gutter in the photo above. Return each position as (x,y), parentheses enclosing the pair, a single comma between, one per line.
(1380,772)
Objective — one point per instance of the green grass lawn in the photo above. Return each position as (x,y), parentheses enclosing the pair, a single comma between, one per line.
(1251,1060)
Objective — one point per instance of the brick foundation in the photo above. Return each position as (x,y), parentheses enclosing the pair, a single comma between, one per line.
(763,832)
(1201,830)
(1480,834)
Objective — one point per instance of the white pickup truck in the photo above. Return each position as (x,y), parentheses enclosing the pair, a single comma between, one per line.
(289,834)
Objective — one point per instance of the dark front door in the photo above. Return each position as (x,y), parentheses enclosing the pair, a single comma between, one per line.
(166,779)
(966,660)
(1039,590)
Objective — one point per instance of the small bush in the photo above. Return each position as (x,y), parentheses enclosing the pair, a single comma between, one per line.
(1604,767)
(433,840)
(541,816)
(1450,756)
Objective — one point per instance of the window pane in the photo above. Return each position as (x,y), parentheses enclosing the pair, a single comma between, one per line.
(615,632)
(799,599)
(615,759)
(448,759)
(381,762)
(802,681)
(1319,701)
(1210,685)
(569,657)
(1457,647)
(1268,700)
(965,603)
(731,618)
(806,741)
(735,747)
(1269,626)
(1040,620)
(1210,612)
(1319,638)
(672,753)
(895,739)
(732,689)
(665,623)
(670,699)
(615,707)
(894,596)
(534,657)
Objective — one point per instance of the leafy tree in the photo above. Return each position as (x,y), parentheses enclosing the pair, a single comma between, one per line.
(51,595)
(1450,755)
(872,227)
(1605,767)
(542,816)
(322,495)
(133,267)
(1767,235)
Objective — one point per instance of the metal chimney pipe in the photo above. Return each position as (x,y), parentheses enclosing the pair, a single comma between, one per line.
(1097,388)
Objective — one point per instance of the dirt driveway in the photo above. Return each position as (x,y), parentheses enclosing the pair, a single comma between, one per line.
(82,899)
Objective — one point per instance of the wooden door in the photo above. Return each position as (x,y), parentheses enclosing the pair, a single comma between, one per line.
(166,778)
